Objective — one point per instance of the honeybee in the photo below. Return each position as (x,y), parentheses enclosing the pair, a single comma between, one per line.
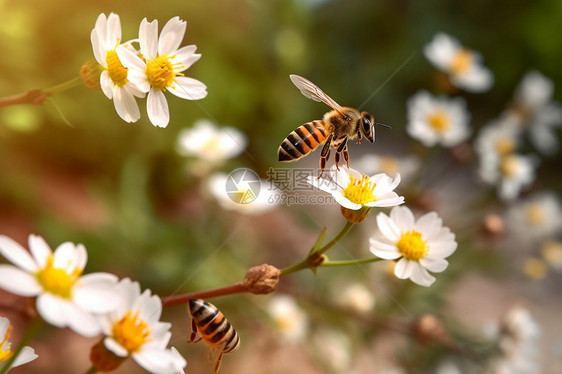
(214,329)
(334,130)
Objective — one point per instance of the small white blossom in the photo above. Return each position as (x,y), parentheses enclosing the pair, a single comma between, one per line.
(463,65)
(355,297)
(437,120)
(134,329)
(211,143)
(26,355)
(420,245)
(288,318)
(538,217)
(65,297)
(115,80)
(162,66)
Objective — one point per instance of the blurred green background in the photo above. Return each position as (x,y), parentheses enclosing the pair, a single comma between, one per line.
(72,170)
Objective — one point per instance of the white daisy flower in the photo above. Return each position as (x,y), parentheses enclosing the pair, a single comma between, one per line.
(26,355)
(161,67)
(65,297)
(538,217)
(288,318)
(510,173)
(463,65)
(252,197)
(420,245)
(498,138)
(406,166)
(535,109)
(358,193)
(115,80)
(134,329)
(334,349)
(211,143)
(355,297)
(437,120)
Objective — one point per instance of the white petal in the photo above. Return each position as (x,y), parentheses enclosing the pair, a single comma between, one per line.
(96,292)
(16,254)
(404,268)
(157,108)
(18,281)
(82,322)
(429,225)
(188,88)
(442,249)
(388,227)
(185,56)
(403,217)
(115,347)
(125,105)
(171,36)
(100,52)
(113,33)
(148,39)
(52,309)
(387,202)
(101,29)
(345,202)
(106,84)
(40,250)
(421,277)
(157,361)
(436,265)
(68,257)
(381,249)
(26,355)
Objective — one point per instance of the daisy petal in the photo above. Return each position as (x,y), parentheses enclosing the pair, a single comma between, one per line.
(403,217)
(383,250)
(115,347)
(388,227)
(26,355)
(125,105)
(436,265)
(156,360)
(185,56)
(18,281)
(148,39)
(40,250)
(188,88)
(106,84)
(157,108)
(16,254)
(171,36)
(404,268)
(96,292)
(421,277)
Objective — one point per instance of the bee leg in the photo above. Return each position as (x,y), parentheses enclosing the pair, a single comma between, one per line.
(342,147)
(218,364)
(325,154)
(193,333)
(346,156)
(358,138)
(337,160)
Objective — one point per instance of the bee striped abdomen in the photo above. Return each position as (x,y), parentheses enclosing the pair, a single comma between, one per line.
(213,326)
(302,141)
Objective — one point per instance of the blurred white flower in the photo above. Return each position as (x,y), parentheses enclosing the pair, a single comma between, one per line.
(538,217)
(26,355)
(510,173)
(252,197)
(116,81)
(211,143)
(406,166)
(355,297)
(65,297)
(334,349)
(161,67)
(448,367)
(437,120)
(288,318)
(499,137)
(552,253)
(134,329)
(535,109)
(420,245)
(463,65)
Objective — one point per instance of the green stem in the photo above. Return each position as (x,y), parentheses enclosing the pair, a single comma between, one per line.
(314,258)
(92,370)
(36,323)
(351,262)
(75,82)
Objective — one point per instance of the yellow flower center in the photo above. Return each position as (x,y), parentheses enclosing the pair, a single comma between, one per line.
(6,354)
(160,72)
(56,280)
(439,121)
(552,253)
(411,246)
(461,61)
(389,165)
(360,191)
(131,332)
(509,166)
(534,268)
(535,214)
(505,146)
(117,72)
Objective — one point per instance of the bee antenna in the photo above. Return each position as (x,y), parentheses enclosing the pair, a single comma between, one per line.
(383,125)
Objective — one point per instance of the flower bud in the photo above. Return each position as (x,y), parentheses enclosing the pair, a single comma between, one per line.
(356,216)
(428,329)
(90,73)
(103,359)
(262,279)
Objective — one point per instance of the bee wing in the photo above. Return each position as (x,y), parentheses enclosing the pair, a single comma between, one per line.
(312,91)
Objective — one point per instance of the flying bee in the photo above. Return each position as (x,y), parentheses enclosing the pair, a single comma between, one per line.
(334,130)
(214,329)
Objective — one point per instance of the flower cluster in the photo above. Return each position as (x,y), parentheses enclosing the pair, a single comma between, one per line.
(157,66)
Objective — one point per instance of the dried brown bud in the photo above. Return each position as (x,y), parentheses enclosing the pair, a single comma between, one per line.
(103,359)
(493,225)
(262,279)
(90,73)
(428,329)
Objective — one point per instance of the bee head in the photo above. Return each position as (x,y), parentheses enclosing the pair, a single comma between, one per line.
(366,124)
